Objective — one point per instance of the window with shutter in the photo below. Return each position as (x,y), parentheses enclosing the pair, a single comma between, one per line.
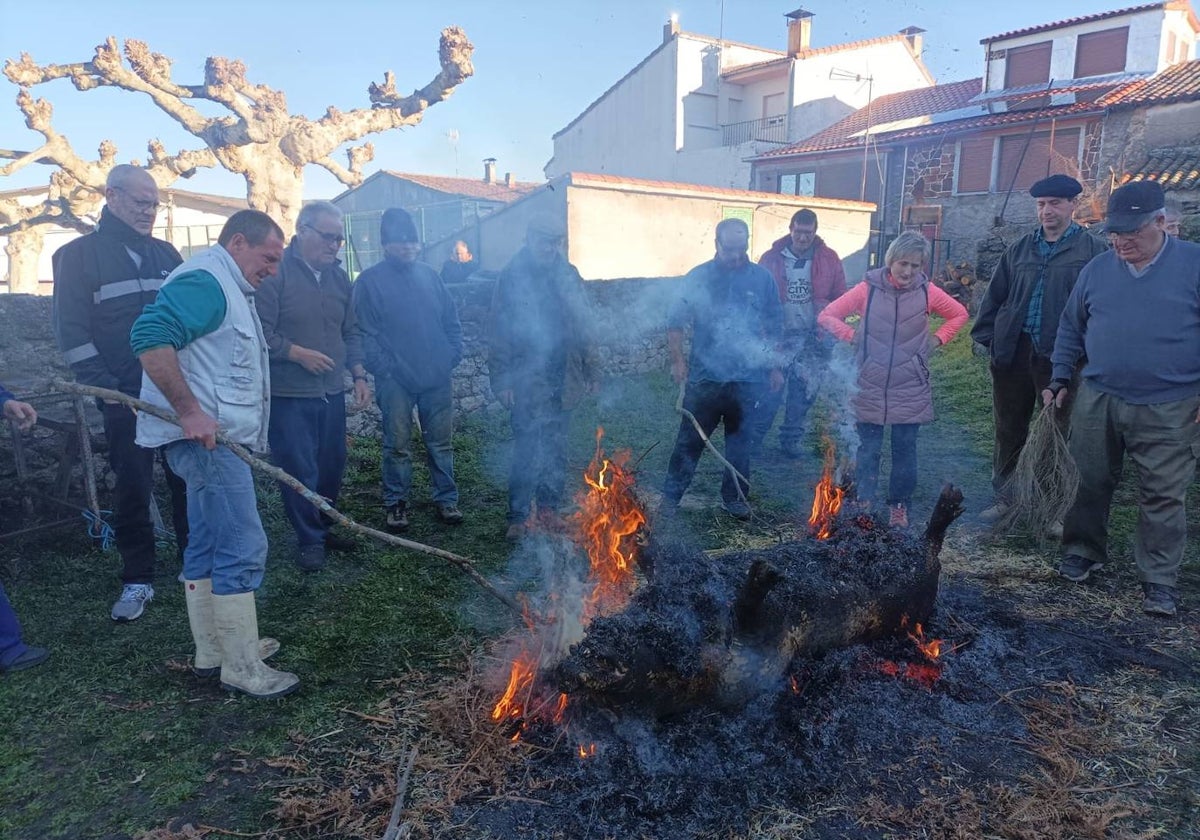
(974,165)
(1019,172)
(1028,65)
(1098,53)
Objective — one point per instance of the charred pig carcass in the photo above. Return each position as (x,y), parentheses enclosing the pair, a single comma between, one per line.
(721,629)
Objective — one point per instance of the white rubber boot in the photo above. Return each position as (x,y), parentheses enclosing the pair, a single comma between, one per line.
(236,620)
(207,661)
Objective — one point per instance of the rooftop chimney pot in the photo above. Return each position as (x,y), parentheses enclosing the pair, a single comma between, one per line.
(915,42)
(509,180)
(671,28)
(489,170)
(799,31)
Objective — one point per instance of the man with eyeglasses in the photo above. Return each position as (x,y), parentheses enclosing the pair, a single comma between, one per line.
(312,335)
(809,275)
(102,282)
(412,341)
(1134,320)
(1018,319)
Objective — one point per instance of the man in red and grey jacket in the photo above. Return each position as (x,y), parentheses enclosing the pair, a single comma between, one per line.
(808,274)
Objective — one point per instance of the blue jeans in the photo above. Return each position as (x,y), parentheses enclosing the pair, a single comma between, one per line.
(904,461)
(308,441)
(227,542)
(11,645)
(539,462)
(435,408)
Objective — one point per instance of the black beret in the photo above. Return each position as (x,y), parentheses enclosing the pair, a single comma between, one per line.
(1056,186)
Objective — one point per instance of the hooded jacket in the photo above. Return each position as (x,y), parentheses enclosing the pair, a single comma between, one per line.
(828,276)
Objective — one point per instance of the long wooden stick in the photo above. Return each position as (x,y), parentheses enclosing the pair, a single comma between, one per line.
(279,475)
(738,478)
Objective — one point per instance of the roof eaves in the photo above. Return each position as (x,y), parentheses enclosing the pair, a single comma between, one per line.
(1061,24)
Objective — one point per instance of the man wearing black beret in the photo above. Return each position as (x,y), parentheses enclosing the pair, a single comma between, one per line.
(1134,320)
(1018,319)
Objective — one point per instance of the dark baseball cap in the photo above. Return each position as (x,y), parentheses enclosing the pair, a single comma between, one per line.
(1128,206)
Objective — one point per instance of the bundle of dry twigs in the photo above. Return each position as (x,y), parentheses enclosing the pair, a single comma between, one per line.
(1043,485)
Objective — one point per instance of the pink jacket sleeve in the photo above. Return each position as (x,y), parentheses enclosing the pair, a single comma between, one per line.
(833,317)
(947,307)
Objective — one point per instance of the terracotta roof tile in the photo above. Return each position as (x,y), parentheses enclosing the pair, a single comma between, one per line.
(1174,169)
(469,187)
(1043,27)
(894,107)
(1178,82)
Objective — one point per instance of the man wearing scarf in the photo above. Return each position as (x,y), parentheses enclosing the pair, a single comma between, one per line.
(102,281)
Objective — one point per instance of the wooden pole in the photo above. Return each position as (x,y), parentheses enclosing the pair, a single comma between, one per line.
(319,502)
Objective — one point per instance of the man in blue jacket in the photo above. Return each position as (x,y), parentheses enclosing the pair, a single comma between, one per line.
(412,341)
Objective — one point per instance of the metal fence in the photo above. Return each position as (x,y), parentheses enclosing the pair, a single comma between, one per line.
(766,130)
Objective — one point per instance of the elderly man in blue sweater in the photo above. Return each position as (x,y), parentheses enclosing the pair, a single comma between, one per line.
(1134,315)
(412,341)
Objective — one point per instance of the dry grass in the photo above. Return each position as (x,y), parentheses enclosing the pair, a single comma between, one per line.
(1045,481)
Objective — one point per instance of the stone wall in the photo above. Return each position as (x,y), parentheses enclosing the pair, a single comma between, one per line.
(630,322)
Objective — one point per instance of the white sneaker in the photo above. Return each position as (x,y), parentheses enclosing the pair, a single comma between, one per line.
(132,603)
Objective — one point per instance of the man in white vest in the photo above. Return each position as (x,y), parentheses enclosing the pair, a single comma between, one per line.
(202,349)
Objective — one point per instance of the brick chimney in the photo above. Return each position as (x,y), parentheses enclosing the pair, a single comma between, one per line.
(509,180)
(489,170)
(915,42)
(799,31)
(671,28)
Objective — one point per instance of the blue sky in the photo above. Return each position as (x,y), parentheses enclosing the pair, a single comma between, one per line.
(537,63)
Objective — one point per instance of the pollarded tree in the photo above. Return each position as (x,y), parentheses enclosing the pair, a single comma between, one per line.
(259,139)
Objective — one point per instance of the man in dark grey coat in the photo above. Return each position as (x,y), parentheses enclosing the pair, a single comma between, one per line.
(412,341)
(313,338)
(1018,319)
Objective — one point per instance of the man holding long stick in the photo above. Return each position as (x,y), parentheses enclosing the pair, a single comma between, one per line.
(202,348)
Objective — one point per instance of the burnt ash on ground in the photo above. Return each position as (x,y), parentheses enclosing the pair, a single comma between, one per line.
(674,758)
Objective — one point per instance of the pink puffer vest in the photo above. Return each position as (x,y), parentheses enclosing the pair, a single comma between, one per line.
(893,349)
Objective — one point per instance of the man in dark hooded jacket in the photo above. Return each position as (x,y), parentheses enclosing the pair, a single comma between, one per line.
(412,341)
(541,362)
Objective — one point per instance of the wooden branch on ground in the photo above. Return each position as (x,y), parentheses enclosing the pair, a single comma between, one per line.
(394,830)
(319,502)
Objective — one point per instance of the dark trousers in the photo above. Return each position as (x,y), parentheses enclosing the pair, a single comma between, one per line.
(308,440)
(134,468)
(1016,394)
(539,463)
(732,403)
(904,461)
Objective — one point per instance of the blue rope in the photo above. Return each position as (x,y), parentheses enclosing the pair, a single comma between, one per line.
(99,529)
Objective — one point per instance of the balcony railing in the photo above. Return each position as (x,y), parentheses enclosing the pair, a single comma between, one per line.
(767,130)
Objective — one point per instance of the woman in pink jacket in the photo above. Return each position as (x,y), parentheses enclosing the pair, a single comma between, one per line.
(892,347)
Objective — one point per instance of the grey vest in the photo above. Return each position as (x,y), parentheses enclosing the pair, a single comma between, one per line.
(893,346)
(227,369)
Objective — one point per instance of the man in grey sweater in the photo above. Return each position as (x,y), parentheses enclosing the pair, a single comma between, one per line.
(1135,316)
(312,336)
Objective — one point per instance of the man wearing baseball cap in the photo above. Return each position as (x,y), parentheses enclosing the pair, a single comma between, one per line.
(1018,318)
(1134,318)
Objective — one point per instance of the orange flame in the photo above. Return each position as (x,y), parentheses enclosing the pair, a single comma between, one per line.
(608,518)
(827,500)
(931,648)
(520,681)
(586,752)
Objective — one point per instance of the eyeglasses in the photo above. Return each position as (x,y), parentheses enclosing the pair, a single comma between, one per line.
(330,238)
(1113,236)
(143,205)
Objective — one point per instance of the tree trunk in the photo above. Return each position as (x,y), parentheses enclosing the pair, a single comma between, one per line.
(276,187)
(24,249)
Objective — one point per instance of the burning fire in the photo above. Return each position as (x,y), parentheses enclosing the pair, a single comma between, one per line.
(827,500)
(924,673)
(606,524)
(607,521)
